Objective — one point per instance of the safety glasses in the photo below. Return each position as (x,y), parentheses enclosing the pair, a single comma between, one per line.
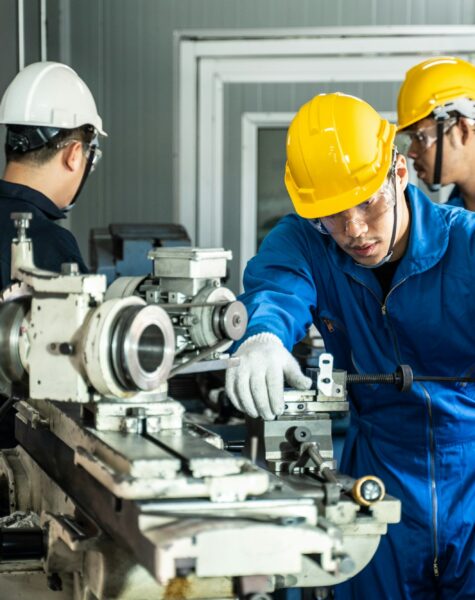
(422,138)
(91,149)
(367,213)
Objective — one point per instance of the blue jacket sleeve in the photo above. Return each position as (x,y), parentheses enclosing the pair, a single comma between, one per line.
(280,293)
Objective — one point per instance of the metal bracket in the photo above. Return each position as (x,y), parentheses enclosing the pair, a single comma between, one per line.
(326,385)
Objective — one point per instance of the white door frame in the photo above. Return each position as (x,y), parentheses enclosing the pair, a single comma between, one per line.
(251,122)
(206,61)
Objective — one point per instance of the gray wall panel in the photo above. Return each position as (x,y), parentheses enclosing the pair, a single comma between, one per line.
(32,31)
(467,13)
(8,35)
(8,55)
(54,15)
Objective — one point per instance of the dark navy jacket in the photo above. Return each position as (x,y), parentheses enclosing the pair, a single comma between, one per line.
(421,442)
(52,244)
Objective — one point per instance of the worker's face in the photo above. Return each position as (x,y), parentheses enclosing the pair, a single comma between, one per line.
(421,143)
(364,232)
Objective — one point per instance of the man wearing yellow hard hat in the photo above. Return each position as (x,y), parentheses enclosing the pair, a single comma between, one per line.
(436,114)
(386,275)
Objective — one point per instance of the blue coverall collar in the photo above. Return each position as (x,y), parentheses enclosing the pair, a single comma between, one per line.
(422,253)
(31,196)
(455,198)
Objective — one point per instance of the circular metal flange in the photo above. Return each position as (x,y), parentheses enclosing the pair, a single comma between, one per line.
(143,347)
(98,351)
(15,303)
(203,331)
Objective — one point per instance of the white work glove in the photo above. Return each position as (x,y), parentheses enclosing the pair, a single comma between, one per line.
(256,385)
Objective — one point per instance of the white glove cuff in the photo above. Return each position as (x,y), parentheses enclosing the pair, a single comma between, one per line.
(262,337)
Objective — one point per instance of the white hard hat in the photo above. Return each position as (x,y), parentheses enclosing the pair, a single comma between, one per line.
(49,94)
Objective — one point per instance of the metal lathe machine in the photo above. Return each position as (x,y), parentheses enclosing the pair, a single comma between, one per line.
(115,492)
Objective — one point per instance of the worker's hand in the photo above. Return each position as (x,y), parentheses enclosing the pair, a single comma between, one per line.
(256,385)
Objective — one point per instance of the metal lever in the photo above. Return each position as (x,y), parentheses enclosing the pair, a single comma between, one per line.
(319,461)
(200,356)
(309,449)
(366,490)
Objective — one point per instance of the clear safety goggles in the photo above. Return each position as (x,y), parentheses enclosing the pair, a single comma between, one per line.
(366,213)
(421,139)
(91,147)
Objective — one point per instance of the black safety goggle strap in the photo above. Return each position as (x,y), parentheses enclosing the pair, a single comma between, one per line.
(390,253)
(438,156)
(393,235)
(87,170)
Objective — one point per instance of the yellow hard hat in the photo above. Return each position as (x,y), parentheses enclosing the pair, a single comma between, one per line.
(339,152)
(433,83)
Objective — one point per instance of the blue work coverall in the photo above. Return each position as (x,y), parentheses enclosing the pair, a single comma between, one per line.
(52,244)
(455,198)
(421,442)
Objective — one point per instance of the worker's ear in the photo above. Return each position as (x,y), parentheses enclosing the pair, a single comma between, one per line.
(467,130)
(73,156)
(402,173)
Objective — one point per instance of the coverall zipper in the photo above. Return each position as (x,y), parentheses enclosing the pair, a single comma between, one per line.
(385,314)
(433,487)
(384,309)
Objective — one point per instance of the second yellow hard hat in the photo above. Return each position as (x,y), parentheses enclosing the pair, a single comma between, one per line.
(432,83)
